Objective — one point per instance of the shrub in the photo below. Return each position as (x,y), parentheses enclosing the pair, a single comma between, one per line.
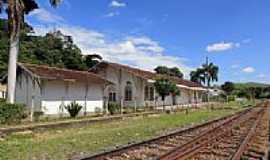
(2,100)
(231,98)
(37,115)
(73,109)
(113,108)
(11,113)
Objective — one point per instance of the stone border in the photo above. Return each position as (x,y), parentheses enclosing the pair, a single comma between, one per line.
(69,123)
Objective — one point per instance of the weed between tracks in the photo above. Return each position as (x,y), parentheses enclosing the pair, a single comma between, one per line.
(64,143)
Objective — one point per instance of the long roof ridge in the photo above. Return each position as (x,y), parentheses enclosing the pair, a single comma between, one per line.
(146,71)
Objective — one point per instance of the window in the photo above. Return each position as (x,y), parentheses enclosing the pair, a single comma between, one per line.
(128,91)
(149,93)
(112,94)
(112,97)
(146,95)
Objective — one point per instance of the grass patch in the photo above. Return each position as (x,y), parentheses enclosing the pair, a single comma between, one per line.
(64,143)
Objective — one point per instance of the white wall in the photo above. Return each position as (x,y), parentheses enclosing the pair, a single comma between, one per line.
(48,95)
(59,93)
(120,80)
(27,91)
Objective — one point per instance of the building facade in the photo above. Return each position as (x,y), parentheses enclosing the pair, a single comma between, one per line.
(49,89)
(135,87)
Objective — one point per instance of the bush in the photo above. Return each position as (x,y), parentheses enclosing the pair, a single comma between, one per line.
(231,98)
(73,109)
(2,100)
(113,108)
(37,115)
(11,113)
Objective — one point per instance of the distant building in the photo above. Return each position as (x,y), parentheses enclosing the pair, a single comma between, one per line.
(135,87)
(48,89)
(215,91)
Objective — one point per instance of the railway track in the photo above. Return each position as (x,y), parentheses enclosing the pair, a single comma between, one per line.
(256,144)
(185,142)
(245,138)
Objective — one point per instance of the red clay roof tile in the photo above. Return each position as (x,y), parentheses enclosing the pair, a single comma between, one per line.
(46,72)
(148,74)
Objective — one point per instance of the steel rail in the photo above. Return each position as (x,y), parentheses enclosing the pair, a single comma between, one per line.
(187,150)
(115,152)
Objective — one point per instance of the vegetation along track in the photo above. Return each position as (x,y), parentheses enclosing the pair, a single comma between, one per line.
(164,146)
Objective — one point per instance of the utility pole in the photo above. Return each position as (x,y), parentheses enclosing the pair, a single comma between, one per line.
(207,60)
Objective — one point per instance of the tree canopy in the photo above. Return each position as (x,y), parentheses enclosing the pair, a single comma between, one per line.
(165,87)
(228,87)
(206,74)
(53,49)
(174,71)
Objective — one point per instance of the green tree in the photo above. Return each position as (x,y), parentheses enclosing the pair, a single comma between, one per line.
(92,60)
(174,71)
(206,74)
(210,73)
(16,9)
(162,70)
(53,49)
(197,76)
(228,87)
(164,88)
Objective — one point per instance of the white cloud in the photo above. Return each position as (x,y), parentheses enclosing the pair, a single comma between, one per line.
(248,70)
(112,14)
(45,16)
(222,46)
(142,52)
(117,4)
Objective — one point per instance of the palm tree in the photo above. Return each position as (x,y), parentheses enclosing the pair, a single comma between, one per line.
(210,73)
(16,10)
(197,76)
(205,75)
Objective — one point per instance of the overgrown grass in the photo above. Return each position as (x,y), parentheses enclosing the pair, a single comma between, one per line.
(62,144)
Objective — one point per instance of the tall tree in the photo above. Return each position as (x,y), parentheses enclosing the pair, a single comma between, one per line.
(174,71)
(162,70)
(92,60)
(54,49)
(206,74)
(197,76)
(16,10)
(228,87)
(210,73)
(165,87)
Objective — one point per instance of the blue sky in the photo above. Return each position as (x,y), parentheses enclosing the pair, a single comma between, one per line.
(233,33)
